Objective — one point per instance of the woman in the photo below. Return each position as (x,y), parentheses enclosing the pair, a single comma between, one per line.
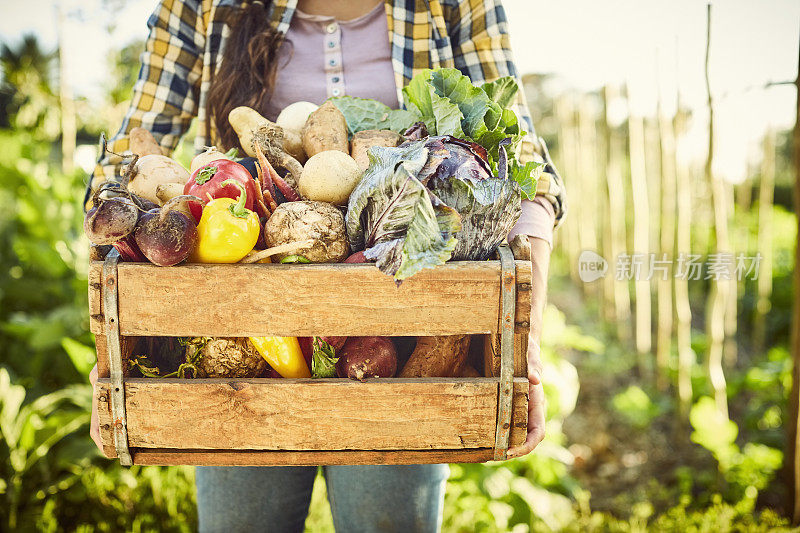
(205,57)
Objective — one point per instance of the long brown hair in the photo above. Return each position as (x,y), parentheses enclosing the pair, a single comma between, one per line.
(247,74)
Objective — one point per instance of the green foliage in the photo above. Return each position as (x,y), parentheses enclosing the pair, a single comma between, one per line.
(27,76)
(51,474)
(746,470)
(636,407)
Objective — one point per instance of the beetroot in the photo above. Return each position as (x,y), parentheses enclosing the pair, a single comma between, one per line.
(367,357)
(357,257)
(167,236)
(336,342)
(110,219)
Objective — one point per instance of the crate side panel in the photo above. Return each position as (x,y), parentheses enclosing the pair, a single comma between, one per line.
(308,415)
(253,300)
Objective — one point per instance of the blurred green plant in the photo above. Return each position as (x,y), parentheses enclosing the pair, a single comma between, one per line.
(747,470)
(636,407)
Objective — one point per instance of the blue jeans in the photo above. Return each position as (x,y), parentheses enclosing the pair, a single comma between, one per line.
(403,498)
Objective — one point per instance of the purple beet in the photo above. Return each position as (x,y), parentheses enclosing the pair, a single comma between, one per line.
(166,236)
(367,357)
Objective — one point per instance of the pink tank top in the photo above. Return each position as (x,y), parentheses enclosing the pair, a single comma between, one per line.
(324,57)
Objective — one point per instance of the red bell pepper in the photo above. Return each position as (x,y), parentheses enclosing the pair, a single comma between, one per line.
(207,181)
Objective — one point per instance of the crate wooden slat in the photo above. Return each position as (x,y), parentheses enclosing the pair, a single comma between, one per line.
(305,300)
(332,414)
(168,457)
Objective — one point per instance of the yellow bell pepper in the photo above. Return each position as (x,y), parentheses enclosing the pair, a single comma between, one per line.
(283,354)
(227,230)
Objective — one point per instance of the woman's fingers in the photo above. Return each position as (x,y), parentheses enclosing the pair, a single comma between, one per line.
(534,362)
(536,422)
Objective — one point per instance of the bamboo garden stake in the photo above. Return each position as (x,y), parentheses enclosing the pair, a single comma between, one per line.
(718,300)
(683,243)
(664,284)
(766,191)
(641,231)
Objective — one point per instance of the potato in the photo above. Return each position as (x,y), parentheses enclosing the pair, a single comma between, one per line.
(325,129)
(153,170)
(364,140)
(143,143)
(294,116)
(317,221)
(441,357)
(329,176)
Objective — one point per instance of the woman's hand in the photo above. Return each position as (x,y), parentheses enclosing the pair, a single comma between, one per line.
(540,262)
(536,403)
(94,429)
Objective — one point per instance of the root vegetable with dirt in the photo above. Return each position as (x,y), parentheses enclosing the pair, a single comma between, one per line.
(325,129)
(319,222)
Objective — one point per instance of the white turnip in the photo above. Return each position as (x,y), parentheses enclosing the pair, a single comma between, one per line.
(329,176)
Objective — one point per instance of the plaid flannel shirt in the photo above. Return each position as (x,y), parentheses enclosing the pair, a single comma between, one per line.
(186,37)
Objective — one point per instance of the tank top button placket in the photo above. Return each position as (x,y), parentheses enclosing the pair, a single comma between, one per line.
(334,72)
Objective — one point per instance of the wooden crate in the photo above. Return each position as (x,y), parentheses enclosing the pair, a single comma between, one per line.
(304,421)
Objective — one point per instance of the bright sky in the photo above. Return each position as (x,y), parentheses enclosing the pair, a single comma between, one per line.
(585,43)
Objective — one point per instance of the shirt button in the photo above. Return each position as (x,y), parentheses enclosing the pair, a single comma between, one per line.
(335,79)
(332,62)
(331,44)
(332,27)
(336,92)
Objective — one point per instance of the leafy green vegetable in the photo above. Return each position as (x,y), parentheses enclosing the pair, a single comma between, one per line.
(323,360)
(447,102)
(527,176)
(402,225)
(488,209)
(501,91)
(365,114)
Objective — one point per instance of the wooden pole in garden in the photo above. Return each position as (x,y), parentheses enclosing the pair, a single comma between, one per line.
(718,301)
(667,245)
(641,238)
(730,348)
(615,187)
(793,455)
(766,191)
(587,169)
(683,244)
(567,151)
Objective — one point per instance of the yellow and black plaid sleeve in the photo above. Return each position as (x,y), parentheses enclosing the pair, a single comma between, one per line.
(166,94)
(478,31)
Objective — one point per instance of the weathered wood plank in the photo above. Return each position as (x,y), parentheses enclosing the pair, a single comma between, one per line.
(335,414)
(491,355)
(95,279)
(101,347)
(165,457)
(302,300)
